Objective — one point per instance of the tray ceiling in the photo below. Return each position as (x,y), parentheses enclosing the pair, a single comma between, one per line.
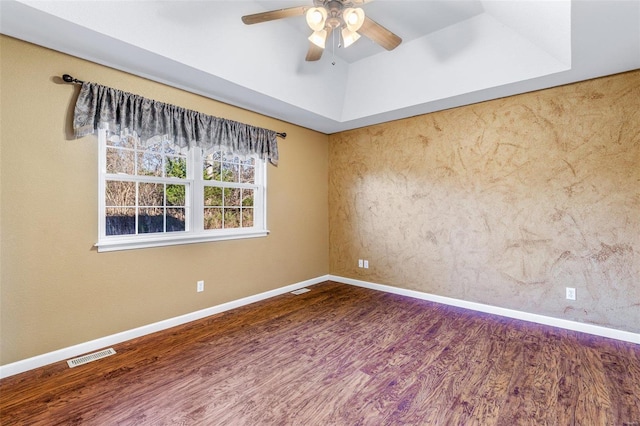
(453,52)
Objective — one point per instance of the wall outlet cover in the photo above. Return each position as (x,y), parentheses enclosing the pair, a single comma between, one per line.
(571,293)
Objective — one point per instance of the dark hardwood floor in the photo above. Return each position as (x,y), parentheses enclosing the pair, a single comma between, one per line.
(341,355)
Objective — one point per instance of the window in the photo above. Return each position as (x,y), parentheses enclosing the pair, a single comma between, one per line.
(155,195)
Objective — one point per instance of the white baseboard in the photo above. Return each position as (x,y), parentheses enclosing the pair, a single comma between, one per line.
(504,312)
(103,342)
(93,345)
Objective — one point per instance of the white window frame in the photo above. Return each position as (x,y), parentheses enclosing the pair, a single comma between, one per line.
(194,214)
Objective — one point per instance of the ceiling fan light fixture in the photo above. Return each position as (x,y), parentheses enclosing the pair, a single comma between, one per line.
(349,37)
(316,18)
(353,18)
(318,38)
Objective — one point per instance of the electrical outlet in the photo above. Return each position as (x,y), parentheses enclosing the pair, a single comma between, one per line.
(571,293)
(200,286)
(360,263)
(366,264)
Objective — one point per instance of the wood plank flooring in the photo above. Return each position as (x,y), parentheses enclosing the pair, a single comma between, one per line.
(341,355)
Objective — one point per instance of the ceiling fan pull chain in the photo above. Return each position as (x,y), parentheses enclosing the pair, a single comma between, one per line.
(333,48)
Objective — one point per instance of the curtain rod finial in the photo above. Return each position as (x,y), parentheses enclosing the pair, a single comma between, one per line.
(69,79)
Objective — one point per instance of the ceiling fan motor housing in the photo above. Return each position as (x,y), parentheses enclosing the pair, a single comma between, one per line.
(336,12)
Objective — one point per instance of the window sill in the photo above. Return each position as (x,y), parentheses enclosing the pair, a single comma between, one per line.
(132,243)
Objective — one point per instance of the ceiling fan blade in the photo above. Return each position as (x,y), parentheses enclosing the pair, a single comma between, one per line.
(314,53)
(379,34)
(272,15)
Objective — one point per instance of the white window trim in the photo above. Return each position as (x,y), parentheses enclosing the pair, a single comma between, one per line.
(194,216)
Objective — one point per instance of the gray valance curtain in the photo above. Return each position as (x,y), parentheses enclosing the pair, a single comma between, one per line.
(101,107)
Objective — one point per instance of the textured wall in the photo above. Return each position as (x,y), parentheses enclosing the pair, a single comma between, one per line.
(505,202)
(55,289)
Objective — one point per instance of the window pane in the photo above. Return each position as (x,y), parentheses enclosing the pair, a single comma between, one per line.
(232,196)
(150,220)
(232,218)
(149,164)
(213,218)
(120,161)
(124,142)
(176,195)
(176,220)
(211,170)
(170,148)
(227,157)
(247,218)
(120,221)
(212,196)
(154,147)
(211,166)
(230,172)
(118,193)
(150,194)
(247,174)
(176,167)
(247,198)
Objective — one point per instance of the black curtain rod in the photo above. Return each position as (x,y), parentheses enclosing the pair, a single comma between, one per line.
(69,79)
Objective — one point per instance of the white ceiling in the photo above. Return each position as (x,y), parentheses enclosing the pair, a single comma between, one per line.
(454,52)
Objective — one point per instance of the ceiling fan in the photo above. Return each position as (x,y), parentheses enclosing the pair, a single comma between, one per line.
(327,16)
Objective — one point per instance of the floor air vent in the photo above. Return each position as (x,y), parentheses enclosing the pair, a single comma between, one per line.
(91,357)
(300,291)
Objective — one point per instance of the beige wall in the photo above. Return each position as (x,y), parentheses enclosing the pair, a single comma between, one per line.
(505,202)
(56,290)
